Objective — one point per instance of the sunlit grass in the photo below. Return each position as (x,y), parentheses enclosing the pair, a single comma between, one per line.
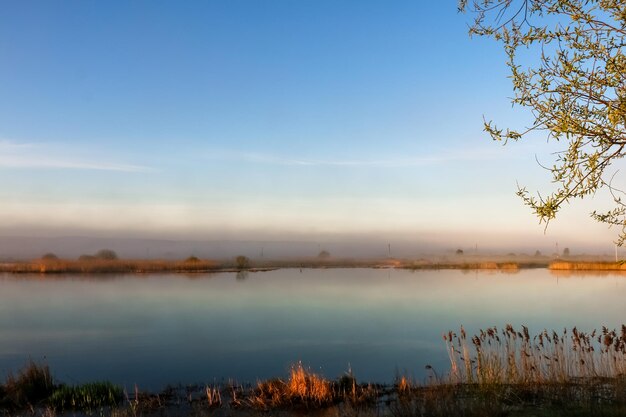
(90,266)
(587,266)
(304,388)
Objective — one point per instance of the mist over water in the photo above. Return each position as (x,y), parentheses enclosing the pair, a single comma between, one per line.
(164,329)
(280,246)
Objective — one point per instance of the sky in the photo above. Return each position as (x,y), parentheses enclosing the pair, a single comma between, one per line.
(274,119)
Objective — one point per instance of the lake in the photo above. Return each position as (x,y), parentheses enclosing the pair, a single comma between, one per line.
(154,330)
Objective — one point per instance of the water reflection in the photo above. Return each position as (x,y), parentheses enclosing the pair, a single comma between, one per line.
(588,274)
(160,329)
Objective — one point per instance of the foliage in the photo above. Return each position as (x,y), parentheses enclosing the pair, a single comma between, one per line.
(242,262)
(575,88)
(324,254)
(192,259)
(86,397)
(106,254)
(49,257)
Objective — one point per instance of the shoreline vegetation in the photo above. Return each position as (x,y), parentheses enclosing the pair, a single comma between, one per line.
(497,372)
(86,264)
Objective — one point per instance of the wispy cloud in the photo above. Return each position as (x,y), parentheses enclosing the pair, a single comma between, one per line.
(16,155)
(388,162)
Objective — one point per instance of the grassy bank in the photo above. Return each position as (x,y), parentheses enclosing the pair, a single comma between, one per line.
(504,266)
(497,372)
(58,266)
(95,266)
(587,266)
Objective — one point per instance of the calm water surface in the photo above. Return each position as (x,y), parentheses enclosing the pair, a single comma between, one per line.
(155,330)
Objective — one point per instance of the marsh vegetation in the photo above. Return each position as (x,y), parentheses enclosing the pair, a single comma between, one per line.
(496,372)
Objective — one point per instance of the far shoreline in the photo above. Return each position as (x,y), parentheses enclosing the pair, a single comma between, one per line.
(243,264)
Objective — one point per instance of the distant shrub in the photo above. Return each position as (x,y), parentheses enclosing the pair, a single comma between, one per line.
(324,254)
(106,254)
(50,257)
(566,252)
(242,262)
(459,251)
(537,253)
(192,259)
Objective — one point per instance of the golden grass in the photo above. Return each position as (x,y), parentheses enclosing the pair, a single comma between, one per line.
(301,388)
(55,266)
(587,266)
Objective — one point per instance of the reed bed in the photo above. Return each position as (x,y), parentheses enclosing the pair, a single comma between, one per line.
(508,356)
(587,266)
(492,266)
(52,266)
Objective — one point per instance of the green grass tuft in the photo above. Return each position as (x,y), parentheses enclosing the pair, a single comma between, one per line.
(86,397)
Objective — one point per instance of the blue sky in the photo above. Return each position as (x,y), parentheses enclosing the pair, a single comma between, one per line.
(263,119)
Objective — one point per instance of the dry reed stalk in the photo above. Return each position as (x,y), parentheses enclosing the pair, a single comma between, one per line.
(214,397)
(513,357)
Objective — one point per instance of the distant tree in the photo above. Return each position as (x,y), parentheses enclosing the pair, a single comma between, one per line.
(192,259)
(50,257)
(242,262)
(459,251)
(106,254)
(324,254)
(537,253)
(566,252)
